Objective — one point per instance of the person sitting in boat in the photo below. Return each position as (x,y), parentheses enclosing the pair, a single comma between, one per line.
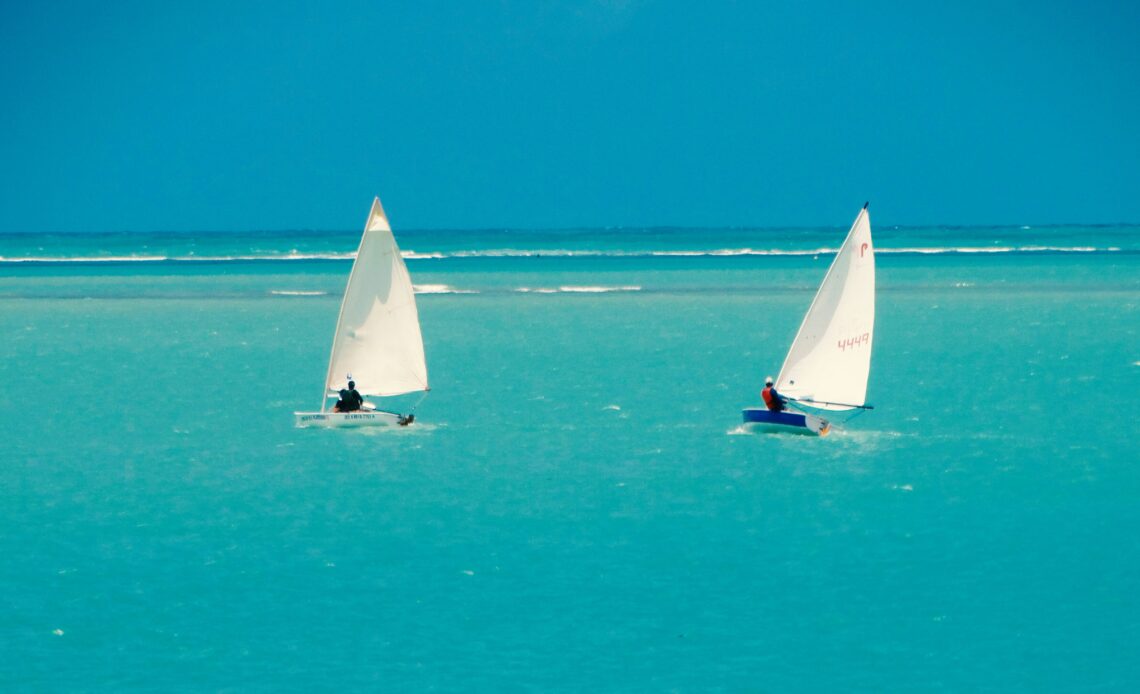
(350,399)
(774,401)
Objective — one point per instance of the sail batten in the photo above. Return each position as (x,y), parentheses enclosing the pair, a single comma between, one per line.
(830,358)
(377,337)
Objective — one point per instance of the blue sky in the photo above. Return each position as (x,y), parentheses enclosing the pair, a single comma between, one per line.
(284,115)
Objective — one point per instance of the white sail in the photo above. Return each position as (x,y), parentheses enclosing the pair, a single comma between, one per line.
(378,337)
(830,359)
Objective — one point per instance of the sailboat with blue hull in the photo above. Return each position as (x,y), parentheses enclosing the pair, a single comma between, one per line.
(829,362)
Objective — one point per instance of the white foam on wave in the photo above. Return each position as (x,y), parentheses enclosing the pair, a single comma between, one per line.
(87,259)
(440,289)
(180,258)
(293,255)
(1058,249)
(247,257)
(528,253)
(943,250)
(296,292)
(191,258)
(420,428)
(599,290)
(948,249)
(731,252)
(573,289)
(735,252)
(592,253)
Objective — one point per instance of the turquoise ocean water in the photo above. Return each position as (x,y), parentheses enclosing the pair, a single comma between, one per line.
(577,507)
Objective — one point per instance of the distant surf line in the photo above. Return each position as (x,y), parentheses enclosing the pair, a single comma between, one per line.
(554,253)
(568,292)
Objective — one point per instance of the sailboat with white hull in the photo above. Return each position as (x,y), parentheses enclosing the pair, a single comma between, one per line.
(829,362)
(377,342)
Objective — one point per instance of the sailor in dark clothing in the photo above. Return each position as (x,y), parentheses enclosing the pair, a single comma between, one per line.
(350,399)
(773,400)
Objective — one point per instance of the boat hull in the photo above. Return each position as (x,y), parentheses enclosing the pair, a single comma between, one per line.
(761,419)
(339,420)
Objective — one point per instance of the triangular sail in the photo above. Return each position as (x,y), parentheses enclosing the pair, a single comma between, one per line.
(378,337)
(830,359)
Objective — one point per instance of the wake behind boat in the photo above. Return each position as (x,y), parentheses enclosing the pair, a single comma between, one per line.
(377,344)
(829,362)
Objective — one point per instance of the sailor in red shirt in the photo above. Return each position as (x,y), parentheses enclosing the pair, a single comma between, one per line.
(772,399)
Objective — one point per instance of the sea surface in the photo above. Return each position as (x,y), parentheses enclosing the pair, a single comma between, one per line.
(577,507)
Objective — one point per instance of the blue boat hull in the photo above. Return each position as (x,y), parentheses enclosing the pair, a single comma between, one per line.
(792,422)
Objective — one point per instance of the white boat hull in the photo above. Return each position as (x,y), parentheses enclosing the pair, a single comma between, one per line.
(376,418)
(762,419)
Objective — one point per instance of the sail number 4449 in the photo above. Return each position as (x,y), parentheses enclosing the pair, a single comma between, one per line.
(853,342)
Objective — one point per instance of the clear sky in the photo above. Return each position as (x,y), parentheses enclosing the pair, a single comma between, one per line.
(225,115)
